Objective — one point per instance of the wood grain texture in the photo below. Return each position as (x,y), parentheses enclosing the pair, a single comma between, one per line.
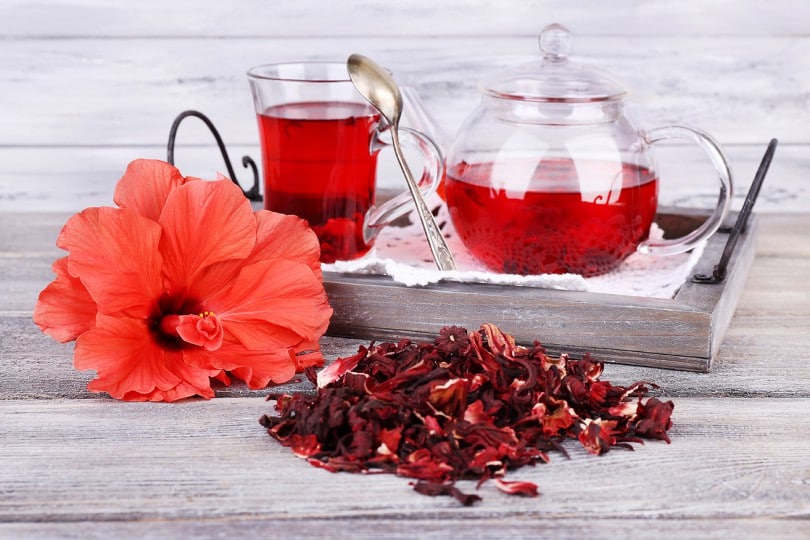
(126,92)
(150,462)
(69,179)
(257,18)
(437,526)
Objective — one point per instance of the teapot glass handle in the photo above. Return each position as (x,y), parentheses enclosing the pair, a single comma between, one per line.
(710,226)
(378,217)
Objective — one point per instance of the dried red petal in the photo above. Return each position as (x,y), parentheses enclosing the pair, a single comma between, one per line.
(497,340)
(654,419)
(304,445)
(469,405)
(389,441)
(596,435)
(337,368)
(475,413)
(423,464)
(449,398)
(433,426)
(434,488)
(527,489)
(557,423)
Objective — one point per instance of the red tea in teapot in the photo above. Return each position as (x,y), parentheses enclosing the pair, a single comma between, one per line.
(317,165)
(582,218)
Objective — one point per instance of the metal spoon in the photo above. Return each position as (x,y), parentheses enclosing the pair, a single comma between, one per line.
(379,89)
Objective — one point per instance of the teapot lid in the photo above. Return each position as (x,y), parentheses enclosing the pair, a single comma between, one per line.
(555,78)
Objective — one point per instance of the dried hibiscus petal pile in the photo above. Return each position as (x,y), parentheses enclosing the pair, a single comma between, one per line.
(470,405)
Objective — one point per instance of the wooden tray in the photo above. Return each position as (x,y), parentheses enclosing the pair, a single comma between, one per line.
(682,333)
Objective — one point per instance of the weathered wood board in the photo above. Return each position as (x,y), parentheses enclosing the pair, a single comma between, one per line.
(79,465)
(108,462)
(684,332)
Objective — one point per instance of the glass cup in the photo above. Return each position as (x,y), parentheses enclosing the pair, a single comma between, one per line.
(319,141)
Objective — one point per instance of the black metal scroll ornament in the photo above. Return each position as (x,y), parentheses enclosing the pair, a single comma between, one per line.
(253,193)
(719,273)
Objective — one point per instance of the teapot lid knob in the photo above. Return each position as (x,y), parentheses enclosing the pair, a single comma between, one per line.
(555,41)
(555,78)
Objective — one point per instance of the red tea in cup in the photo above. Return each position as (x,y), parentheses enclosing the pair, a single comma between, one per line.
(320,140)
(317,165)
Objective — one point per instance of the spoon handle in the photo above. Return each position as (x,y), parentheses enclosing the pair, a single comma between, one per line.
(438,247)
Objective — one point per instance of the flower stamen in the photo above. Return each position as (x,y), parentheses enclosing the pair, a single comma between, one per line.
(204,330)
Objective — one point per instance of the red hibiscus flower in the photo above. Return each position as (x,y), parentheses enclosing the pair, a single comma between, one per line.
(182,283)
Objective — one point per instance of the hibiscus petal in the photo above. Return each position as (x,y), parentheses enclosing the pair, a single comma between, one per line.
(216,277)
(181,391)
(131,364)
(438,488)
(336,369)
(204,223)
(307,354)
(279,236)
(145,186)
(261,373)
(286,237)
(517,487)
(271,301)
(449,398)
(114,253)
(65,309)
(256,368)
(655,419)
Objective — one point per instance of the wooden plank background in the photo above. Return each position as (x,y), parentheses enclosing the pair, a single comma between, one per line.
(88,85)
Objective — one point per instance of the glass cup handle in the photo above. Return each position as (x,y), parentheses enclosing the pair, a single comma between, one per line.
(710,226)
(378,217)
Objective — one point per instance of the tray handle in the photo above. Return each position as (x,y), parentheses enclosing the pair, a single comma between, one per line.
(719,273)
(253,193)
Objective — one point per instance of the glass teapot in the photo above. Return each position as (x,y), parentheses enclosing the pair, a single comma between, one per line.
(549,175)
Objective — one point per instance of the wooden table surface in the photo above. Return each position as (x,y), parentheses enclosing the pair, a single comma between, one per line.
(81,465)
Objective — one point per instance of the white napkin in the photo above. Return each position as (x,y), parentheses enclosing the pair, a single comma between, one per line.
(403,254)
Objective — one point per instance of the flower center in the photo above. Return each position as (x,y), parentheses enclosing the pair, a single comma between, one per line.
(203,330)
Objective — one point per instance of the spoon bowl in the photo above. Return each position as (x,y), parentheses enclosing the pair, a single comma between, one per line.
(378,87)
